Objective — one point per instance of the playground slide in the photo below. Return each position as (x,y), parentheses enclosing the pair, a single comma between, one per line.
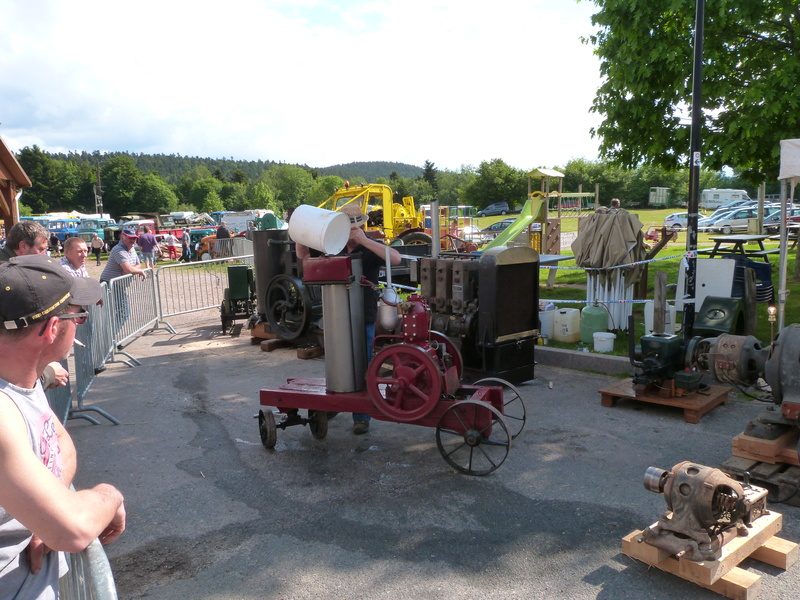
(523,221)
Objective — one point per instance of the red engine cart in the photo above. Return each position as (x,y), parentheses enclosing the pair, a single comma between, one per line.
(414,378)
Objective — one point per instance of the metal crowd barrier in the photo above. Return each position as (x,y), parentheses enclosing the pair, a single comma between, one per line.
(60,399)
(95,345)
(232,247)
(132,306)
(190,287)
(89,576)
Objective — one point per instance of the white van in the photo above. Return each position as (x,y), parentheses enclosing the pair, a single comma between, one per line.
(715,197)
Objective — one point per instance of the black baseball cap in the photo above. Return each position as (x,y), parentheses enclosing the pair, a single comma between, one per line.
(34,288)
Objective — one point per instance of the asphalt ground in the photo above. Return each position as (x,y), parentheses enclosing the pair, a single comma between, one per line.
(212,514)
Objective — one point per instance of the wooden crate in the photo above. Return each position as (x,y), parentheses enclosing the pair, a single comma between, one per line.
(724,576)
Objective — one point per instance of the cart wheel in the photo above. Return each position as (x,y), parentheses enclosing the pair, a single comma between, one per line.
(404,382)
(267,429)
(450,348)
(318,423)
(288,307)
(473,437)
(513,407)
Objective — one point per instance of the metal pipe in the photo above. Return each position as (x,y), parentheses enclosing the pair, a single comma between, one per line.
(694,173)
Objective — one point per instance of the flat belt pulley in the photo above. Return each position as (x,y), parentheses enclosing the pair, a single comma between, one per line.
(404,382)
(288,306)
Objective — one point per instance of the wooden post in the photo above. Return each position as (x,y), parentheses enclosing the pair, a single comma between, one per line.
(750,306)
(660,302)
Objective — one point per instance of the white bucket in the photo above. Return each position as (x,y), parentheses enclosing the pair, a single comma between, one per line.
(547,322)
(603,341)
(320,229)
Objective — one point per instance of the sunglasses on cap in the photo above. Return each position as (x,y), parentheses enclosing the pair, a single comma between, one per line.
(80,317)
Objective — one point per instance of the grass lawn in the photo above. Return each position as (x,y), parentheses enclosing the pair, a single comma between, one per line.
(570,285)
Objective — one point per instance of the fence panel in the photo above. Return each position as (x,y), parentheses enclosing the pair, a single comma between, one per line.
(89,576)
(184,288)
(133,305)
(60,399)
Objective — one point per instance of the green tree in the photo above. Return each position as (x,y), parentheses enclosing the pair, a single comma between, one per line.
(429,172)
(496,182)
(205,195)
(153,194)
(751,70)
(121,180)
(322,189)
(290,183)
(261,195)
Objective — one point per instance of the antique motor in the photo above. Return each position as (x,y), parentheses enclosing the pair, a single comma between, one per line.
(490,306)
(707,509)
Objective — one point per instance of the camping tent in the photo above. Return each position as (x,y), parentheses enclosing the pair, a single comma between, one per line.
(789,173)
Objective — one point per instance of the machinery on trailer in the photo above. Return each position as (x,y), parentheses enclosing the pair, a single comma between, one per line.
(414,378)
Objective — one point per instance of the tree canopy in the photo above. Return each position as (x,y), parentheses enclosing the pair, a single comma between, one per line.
(751,69)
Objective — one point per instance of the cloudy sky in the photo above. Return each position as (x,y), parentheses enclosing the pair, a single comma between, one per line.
(316,82)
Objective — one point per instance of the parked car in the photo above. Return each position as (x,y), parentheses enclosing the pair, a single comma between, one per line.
(498,208)
(495,229)
(772,222)
(676,220)
(706,223)
(737,220)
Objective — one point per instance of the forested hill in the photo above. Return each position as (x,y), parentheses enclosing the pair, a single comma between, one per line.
(372,170)
(172,167)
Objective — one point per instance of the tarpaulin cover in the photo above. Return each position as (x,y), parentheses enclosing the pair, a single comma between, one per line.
(545,173)
(608,240)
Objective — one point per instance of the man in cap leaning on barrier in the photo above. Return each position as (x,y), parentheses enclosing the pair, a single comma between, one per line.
(40,307)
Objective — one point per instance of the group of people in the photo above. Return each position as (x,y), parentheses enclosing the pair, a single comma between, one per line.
(42,302)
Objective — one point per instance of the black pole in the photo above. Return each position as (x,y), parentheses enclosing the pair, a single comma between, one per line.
(694,173)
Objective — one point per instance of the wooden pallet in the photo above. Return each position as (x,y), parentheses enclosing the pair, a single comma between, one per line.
(781,479)
(782,449)
(694,405)
(724,576)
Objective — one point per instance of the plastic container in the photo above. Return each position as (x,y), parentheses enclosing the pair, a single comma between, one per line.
(320,229)
(546,322)
(593,319)
(567,325)
(603,341)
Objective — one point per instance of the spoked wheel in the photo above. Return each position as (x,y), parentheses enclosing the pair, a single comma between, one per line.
(267,429)
(513,407)
(318,423)
(450,349)
(288,306)
(404,382)
(473,437)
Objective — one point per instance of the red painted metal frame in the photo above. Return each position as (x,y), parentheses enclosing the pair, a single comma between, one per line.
(310,393)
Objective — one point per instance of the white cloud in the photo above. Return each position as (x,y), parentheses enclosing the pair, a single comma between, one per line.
(315,81)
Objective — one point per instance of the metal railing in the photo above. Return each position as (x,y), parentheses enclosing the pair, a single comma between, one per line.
(131,307)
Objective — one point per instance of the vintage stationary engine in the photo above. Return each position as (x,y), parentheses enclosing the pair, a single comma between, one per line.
(706,509)
(490,305)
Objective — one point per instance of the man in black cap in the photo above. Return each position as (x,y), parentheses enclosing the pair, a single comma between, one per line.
(40,307)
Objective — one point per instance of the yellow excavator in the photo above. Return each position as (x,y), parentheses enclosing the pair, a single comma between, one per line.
(395,217)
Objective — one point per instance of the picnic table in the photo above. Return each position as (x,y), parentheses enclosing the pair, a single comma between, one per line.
(737,244)
(791,230)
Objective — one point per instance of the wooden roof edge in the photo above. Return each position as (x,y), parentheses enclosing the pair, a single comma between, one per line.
(12,165)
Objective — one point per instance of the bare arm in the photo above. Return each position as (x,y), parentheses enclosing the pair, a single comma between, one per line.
(129,269)
(358,235)
(302,251)
(63,519)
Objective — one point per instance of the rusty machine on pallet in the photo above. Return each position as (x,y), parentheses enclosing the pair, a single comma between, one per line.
(706,510)
(490,305)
